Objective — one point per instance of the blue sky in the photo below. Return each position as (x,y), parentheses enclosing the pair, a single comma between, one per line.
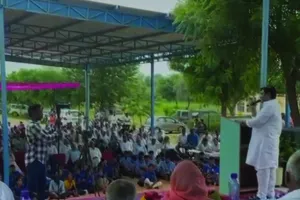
(153,5)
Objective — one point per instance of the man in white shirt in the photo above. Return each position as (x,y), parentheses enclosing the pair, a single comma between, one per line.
(182,139)
(263,151)
(74,154)
(292,177)
(112,118)
(5,192)
(154,146)
(52,149)
(205,146)
(139,147)
(105,137)
(95,154)
(127,121)
(126,145)
(64,148)
(215,145)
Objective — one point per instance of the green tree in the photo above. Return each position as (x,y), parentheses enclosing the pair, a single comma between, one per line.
(137,103)
(108,85)
(218,72)
(238,23)
(165,87)
(45,97)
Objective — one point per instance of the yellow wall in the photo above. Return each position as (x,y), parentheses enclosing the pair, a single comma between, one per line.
(281,101)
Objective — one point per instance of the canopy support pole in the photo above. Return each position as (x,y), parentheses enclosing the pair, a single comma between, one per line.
(264,43)
(152,95)
(87,95)
(287,112)
(5,142)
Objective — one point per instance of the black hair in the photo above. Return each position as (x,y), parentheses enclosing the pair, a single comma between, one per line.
(270,90)
(151,152)
(33,108)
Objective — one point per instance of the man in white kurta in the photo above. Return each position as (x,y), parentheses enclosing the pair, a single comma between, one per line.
(263,149)
(95,154)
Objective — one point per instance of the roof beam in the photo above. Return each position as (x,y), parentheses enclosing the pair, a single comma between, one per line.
(114,42)
(44,32)
(141,48)
(78,37)
(19,19)
(158,44)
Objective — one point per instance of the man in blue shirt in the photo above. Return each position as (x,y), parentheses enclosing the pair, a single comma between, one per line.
(165,168)
(149,179)
(192,140)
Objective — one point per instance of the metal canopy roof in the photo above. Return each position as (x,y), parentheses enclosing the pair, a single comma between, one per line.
(74,33)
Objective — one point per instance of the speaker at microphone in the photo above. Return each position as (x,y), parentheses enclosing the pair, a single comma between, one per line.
(254,103)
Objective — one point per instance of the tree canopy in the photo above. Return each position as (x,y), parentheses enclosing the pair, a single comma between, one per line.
(108,87)
(228,35)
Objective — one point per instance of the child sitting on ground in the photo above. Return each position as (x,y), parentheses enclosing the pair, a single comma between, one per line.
(149,179)
(126,164)
(19,186)
(57,188)
(70,186)
(165,168)
(101,182)
(140,165)
(13,176)
(211,172)
(111,169)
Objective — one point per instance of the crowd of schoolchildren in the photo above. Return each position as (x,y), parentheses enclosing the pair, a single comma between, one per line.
(86,162)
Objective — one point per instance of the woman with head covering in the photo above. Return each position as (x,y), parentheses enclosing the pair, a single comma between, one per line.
(187,183)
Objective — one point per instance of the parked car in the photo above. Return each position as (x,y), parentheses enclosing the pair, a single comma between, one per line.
(167,124)
(71,116)
(17,110)
(119,114)
(188,116)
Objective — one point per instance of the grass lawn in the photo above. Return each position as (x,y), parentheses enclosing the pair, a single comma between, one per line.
(162,108)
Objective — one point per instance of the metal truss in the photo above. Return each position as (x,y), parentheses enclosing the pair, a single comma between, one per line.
(85,12)
(28,32)
(75,62)
(57,52)
(59,44)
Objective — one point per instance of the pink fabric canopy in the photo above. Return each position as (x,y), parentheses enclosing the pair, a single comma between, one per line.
(15,86)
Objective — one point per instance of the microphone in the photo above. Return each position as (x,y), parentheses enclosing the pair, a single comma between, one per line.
(254,103)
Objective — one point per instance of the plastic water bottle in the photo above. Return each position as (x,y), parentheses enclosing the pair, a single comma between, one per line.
(234,187)
(25,195)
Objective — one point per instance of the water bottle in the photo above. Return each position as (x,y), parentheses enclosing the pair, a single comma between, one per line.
(234,187)
(25,195)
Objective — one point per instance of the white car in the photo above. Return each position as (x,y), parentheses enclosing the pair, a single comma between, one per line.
(71,116)
(18,110)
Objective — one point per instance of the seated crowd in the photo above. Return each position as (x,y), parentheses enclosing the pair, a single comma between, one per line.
(89,161)
(188,183)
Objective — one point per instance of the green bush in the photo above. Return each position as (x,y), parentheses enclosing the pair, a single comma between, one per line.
(288,144)
(169,110)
